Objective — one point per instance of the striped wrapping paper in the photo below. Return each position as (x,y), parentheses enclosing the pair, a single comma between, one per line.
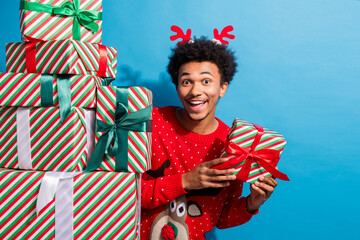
(46,26)
(24,89)
(243,134)
(105,206)
(139,143)
(37,137)
(61,57)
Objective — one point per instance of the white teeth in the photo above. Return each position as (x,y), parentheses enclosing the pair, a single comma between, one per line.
(196,102)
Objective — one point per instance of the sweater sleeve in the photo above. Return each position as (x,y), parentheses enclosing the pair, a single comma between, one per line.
(159,191)
(235,211)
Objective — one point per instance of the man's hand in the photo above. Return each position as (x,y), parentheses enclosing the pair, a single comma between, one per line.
(202,176)
(260,191)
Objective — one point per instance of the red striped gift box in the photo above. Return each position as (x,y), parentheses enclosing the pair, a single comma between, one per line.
(246,144)
(51,24)
(102,205)
(61,57)
(139,143)
(35,138)
(24,89)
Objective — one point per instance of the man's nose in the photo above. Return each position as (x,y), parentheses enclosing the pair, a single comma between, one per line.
(196,89)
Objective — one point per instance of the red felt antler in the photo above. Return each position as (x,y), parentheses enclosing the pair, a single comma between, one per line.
(180,34)
(224,33)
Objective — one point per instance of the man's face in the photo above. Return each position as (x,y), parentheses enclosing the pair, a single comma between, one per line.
(199,88)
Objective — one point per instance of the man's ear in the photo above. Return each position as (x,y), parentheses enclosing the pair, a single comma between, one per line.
(223,88)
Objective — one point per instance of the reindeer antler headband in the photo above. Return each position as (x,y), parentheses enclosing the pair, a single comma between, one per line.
(187,37)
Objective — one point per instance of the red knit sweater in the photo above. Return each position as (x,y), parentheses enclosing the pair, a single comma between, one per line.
(187,215)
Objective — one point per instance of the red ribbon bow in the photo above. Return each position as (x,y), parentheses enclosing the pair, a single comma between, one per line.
(267,158)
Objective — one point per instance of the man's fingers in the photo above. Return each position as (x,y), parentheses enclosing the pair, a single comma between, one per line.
(261,192)
(216,179)
(274,182)
(216,172)
(222,178)
(264,187)
(214,162)
(268,180)
(218,184)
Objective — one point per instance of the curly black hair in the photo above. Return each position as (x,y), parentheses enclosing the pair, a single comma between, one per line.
(200,50)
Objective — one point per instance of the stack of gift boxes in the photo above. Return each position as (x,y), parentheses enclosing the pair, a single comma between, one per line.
(71,146)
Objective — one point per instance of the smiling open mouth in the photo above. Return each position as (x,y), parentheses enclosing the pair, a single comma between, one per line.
(196,104)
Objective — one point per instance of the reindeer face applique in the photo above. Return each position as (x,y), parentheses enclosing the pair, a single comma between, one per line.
(170,224)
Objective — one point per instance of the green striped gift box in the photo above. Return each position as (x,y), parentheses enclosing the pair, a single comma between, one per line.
(243,133)
(61,57)
(44,20)
(35,138)
(104,206)
(139,143)
(24,89)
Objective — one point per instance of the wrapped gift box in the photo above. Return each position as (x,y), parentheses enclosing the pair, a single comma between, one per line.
(97,205)
(25,90)
(253,151)
(58,20)
(129,150)
(35,138)
(61,57)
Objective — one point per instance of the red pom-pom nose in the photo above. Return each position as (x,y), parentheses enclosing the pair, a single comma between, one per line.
(167,232)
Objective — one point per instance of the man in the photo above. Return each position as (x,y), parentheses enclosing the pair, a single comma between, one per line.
(182,196)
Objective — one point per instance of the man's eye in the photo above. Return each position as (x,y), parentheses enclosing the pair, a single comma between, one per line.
(186,82)
(206,81)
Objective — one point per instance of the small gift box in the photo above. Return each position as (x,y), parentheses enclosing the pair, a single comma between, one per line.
(35,138)
(37,90)
(59,205)
(61,57)
(123,130)
(253,151)
(80,20)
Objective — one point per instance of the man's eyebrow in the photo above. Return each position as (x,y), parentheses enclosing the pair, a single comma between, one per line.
(184,74)
(206,73)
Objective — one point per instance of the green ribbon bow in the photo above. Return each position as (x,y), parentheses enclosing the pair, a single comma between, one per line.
(118,133)
(86,18)
(64,93)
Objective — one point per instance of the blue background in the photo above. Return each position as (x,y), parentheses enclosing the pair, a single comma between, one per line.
(298,74)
